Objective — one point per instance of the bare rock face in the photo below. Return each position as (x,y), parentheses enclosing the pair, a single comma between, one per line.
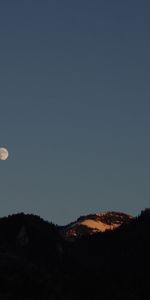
(93,223)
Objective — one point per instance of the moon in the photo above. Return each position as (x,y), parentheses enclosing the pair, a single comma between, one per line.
(3,153)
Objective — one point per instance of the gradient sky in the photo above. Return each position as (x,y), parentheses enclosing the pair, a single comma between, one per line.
(74,107)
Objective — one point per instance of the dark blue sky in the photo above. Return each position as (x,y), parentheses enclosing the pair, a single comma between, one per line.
(74,107)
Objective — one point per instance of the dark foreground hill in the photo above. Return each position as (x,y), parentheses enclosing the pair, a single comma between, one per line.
(36,262)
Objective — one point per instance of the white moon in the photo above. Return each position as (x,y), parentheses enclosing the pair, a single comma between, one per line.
(3,154)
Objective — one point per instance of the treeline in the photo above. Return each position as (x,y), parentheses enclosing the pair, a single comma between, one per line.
(37,263)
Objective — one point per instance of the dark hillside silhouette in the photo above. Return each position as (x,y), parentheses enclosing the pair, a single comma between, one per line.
(36,262)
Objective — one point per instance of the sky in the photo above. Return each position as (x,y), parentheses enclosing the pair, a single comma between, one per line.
(74,107)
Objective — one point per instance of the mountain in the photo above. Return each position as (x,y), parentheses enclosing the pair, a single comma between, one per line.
(29,237)
(93,223)
(37,262)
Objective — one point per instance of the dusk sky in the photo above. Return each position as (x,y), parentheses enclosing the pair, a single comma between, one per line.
(74,107)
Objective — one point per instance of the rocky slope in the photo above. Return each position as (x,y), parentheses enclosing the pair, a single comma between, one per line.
(93,223)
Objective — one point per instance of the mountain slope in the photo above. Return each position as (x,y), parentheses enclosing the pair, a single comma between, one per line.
(93,223)
(37,263)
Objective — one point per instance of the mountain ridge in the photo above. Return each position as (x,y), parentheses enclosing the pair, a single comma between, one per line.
(37,262)
(94,223)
